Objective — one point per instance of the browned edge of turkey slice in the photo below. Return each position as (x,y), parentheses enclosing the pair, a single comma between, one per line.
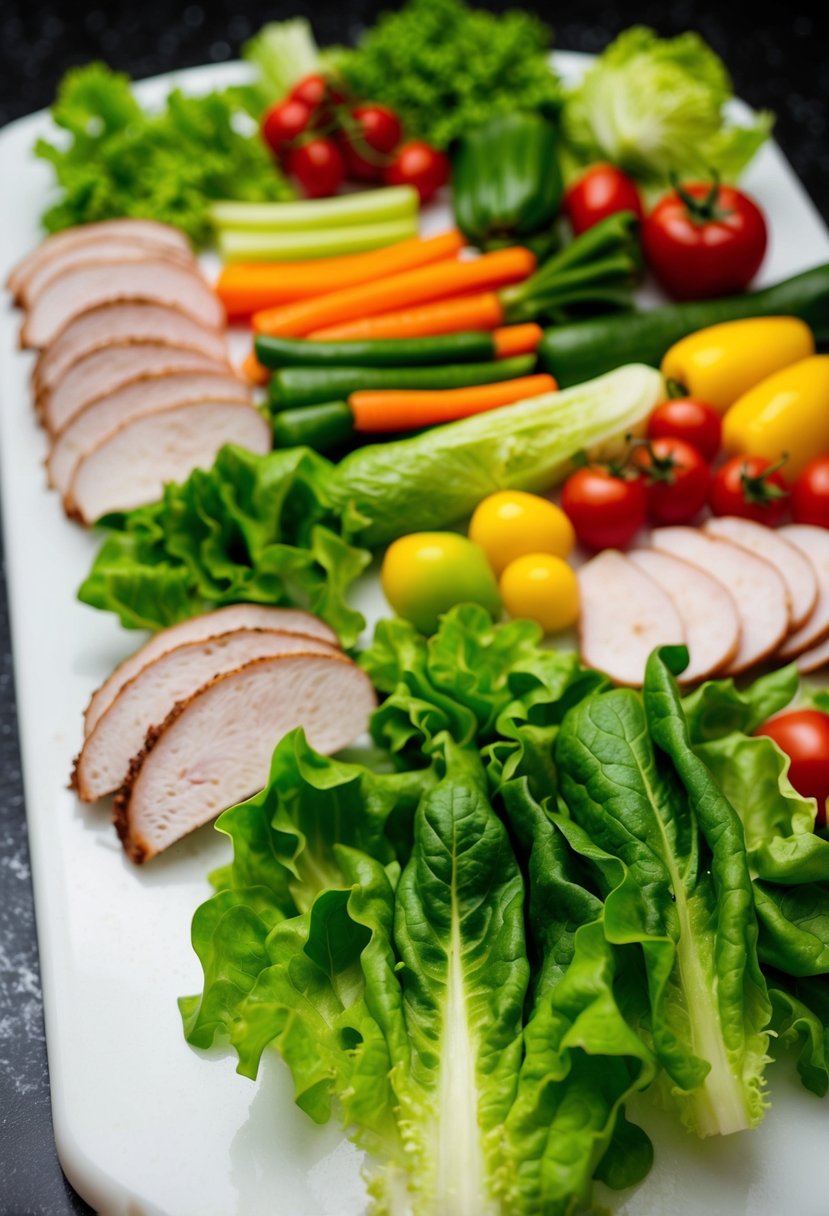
(325,634)
(220,352)
(316,646)
(135,846)
(110,249)
(83,234)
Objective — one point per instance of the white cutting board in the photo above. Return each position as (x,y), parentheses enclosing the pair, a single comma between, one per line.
(143,1123)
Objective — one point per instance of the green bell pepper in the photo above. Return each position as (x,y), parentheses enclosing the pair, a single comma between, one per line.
(507,184)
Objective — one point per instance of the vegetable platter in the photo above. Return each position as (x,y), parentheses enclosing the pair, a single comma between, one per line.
(143,1123)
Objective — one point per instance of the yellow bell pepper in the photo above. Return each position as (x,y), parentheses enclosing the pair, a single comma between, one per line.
(719,364)
(786,413)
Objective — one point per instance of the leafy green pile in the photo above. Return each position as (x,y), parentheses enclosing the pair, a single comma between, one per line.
(445,67)
(540,895)
(121,160)
(656,106)
(249,529)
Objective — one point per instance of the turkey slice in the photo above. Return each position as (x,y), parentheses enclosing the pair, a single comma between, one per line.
(150,696)
(158,280)
(145,232)
(108,249)
(104,371)
(200,629)
(131,467)
(706,609)
(757,589)
(796,572)
(123,324)
(136,399)
(624,615)
(215,748)
(813,543)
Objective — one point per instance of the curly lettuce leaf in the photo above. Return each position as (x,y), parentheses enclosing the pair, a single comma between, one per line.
(122,161)
(801,1021)
(656,107)
(253,528)
(648,815)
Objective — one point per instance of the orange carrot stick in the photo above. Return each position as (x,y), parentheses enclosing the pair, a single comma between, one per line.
(385,411)
(481,311)
(253,371)
(517,340)
(433,282)
(248,287)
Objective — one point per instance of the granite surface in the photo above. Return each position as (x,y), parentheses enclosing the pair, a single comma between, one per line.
(777,61)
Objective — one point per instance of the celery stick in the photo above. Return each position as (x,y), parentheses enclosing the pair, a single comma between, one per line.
(363,207)
(236,246)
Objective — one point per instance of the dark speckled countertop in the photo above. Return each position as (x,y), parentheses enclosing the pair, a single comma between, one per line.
(778,61)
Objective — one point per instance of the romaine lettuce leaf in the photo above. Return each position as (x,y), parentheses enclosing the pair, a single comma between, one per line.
(670,850)
(801,1019)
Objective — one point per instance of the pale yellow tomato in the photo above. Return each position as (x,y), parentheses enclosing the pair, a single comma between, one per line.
(427,573)
(542,588)
(512,523)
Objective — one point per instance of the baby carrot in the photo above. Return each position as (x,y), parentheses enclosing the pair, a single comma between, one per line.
(434,282)
(253,371)
(481,311)
(247,287)
(392,410)
(517,340)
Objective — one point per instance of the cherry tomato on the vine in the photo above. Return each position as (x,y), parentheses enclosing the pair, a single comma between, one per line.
(810,494)
(318,166)
(750,487)
(803,734)
(676,479)
(321,96)
(371,135)
(605,507)
(284,123)
(418,164)
(602,191)
(704,240)
(687,418)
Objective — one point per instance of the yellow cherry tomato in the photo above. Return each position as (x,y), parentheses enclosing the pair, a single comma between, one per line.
(512,523)
(542,588)
(427,573)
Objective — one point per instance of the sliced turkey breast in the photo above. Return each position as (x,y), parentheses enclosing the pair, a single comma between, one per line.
(796,572)
(813,544)
(624,615)
(102,372)
(200,629)
(150,696)
(147,232)
(757,589)
(123,324)
(214,749)
(131,467)
(158,280)
(136,399)
(106,250)
(706,609)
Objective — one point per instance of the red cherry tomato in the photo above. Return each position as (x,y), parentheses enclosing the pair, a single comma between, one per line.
(702,241)
(677,480)
(284,123)
(810,494)
(600,192)
(686,418)
(371,136)
(318,166)
(750,487)
(418,164)
(803,734)
(321,96)
(605,508)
